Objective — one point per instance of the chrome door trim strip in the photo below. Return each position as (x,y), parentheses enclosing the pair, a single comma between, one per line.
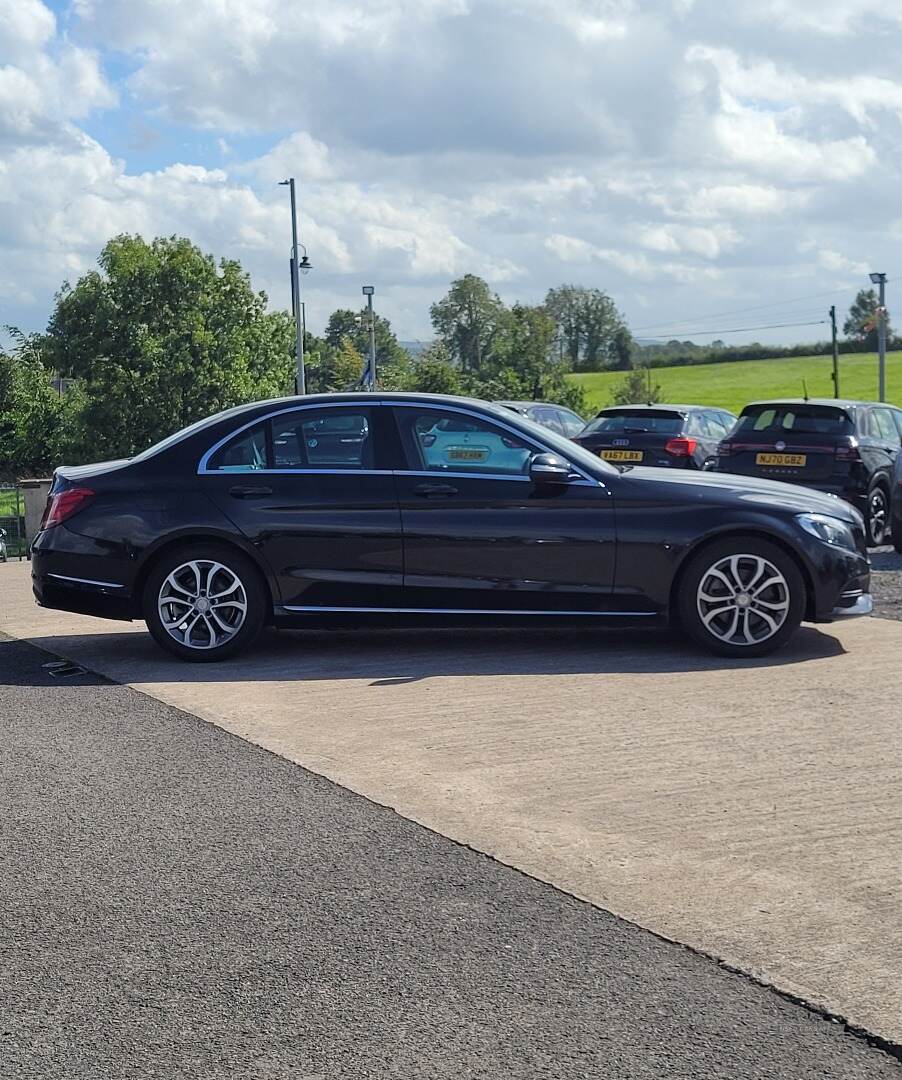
(87,581)
(458,611)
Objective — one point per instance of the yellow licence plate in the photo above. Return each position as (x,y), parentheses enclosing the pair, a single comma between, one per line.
(621,455)
(797,460)
(462,453)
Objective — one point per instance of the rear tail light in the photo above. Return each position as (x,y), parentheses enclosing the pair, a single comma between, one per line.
(427,440)
(682,447)
(511,444)
(61,506)
(848,450)
(724,449)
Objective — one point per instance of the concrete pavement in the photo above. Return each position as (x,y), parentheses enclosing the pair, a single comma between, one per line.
(750,810)
(178,903)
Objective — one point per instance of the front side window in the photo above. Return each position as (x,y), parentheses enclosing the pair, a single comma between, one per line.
(437,441)
(882,426)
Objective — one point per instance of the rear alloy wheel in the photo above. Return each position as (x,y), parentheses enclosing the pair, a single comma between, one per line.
(204,603)
(878,516)
(742,597)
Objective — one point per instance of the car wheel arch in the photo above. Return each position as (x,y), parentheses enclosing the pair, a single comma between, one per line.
(170,543)
(757,533)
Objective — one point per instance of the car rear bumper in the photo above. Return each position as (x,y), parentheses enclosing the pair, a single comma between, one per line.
(70,572)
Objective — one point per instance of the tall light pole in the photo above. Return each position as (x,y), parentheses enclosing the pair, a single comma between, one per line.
(300,378)
(368,291)
(880,279)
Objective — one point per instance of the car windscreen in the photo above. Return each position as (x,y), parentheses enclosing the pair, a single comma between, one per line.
(664,423)
(795,419)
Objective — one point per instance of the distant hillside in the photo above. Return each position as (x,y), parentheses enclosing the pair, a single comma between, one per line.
(736,384)
(415,348)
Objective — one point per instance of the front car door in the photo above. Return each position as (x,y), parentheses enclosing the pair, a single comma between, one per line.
(305,486)
(479,535)
(882,446)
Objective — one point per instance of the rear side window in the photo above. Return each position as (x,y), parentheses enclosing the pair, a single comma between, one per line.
(323,439)
(795,419)
(306,439)
(666,423)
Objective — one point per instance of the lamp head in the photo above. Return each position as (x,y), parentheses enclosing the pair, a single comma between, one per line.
(877,278)
(368,290)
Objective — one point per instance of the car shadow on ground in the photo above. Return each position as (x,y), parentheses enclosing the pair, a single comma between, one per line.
(386,657)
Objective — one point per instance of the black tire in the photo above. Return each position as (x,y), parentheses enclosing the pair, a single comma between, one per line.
(252,592)
(878,510)
(790,596)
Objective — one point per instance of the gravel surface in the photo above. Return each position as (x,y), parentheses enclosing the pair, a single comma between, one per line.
(886,582)
(177,903)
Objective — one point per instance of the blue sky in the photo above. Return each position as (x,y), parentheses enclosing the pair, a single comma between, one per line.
(692,158)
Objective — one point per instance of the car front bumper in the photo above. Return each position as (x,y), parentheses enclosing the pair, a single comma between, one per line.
(862,603)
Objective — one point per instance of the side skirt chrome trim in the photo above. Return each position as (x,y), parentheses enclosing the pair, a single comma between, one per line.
(300,608)
(87,581)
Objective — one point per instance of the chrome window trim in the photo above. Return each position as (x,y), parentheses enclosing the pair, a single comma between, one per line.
(87,581)
(300,608)
(202,469)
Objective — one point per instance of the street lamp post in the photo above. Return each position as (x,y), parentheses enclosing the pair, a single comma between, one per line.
(300,377)
(880,279)
(368,291)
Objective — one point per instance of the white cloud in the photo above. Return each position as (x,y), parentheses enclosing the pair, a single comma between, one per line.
(682,154)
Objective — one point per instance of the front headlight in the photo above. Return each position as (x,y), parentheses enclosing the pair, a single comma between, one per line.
(829,529)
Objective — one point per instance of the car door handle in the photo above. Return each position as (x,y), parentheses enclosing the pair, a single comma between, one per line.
(255,492)
(435,491)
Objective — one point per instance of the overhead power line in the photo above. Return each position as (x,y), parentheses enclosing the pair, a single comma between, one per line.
(745,329)
(743,310)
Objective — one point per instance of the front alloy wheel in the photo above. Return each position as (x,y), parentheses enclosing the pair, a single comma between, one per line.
(741,597)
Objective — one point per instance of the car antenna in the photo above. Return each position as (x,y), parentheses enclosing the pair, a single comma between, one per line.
(804,389)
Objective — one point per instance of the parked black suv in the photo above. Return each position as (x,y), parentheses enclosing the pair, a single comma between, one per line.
(667,436)
(844,448)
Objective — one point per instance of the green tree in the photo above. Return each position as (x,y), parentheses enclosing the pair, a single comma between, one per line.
(469,321)
(161,335)
(862,321)
(637,388)
(526,365)
(589,324)
(434,372)
(35,422)
(332,369)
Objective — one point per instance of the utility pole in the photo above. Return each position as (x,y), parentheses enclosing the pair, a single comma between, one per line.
(368,291)
(880,279)
(300,377)
(835,353)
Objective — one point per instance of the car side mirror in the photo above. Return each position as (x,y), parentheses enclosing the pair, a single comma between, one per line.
(549,469)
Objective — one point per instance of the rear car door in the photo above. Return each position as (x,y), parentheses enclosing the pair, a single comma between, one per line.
(480,536)
(305,486)
(881,446)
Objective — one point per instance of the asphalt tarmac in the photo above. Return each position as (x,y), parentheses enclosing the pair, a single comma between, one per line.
(179,903)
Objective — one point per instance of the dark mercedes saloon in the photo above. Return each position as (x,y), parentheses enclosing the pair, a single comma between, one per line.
(404,508)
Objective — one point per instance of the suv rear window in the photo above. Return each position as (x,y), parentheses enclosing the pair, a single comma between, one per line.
(667,423)
(795,419)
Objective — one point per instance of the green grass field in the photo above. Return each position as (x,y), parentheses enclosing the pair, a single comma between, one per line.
(734,385)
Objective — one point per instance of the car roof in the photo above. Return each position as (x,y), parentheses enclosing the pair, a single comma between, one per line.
(664,407)
(834,403)
(528,404)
